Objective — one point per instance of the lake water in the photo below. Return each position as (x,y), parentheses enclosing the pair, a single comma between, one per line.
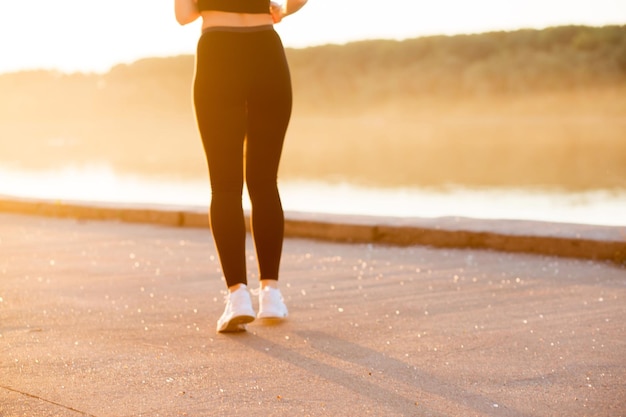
(101,184)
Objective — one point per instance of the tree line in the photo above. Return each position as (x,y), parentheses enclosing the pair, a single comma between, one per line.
(522,61)
(375,71)
(408,106)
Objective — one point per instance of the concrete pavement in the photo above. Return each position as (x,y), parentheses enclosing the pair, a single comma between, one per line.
(110,318)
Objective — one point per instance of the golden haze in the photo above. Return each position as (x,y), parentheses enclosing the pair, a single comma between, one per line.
(424,112)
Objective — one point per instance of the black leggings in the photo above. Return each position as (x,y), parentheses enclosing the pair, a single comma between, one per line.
(242,97)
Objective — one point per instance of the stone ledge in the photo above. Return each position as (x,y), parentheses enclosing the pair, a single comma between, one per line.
(554,239)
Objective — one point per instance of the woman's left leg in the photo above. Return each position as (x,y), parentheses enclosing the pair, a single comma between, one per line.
(269,111)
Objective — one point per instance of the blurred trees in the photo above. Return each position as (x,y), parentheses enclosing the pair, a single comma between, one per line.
(522,61)
(528,107)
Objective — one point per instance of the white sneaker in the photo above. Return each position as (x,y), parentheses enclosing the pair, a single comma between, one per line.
(271,304)
(238,311)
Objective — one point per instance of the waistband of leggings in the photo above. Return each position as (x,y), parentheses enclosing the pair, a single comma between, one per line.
(237,29)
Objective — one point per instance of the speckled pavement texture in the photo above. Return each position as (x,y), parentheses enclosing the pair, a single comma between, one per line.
(103,318)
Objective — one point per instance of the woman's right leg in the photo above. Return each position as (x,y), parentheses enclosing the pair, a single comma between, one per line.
(221,114)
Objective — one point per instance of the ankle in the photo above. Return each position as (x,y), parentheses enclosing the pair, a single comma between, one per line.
(271,283)
(235,287)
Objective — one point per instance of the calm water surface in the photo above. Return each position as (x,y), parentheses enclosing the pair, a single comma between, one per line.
(103,185)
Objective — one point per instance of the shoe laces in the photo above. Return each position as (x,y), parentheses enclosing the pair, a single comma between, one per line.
(257,291)
(228,294)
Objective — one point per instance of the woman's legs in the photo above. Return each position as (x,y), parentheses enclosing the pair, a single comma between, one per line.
(242,88)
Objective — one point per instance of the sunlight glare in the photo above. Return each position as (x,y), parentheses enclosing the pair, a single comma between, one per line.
(100,184)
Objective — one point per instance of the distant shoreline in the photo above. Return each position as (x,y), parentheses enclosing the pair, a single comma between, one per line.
(105,186)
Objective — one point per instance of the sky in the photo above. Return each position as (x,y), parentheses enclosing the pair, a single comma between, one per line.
(93,36)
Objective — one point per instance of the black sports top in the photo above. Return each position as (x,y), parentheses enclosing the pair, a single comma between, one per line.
(236,6)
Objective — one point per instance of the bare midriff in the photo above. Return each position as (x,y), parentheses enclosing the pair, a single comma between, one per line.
(213,18)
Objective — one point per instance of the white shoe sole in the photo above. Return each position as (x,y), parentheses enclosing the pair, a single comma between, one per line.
(270,316)
(236,324)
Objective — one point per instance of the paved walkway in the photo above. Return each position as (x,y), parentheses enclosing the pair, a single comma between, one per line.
(104,318)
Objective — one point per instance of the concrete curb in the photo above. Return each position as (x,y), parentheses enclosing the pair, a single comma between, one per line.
(605,243)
